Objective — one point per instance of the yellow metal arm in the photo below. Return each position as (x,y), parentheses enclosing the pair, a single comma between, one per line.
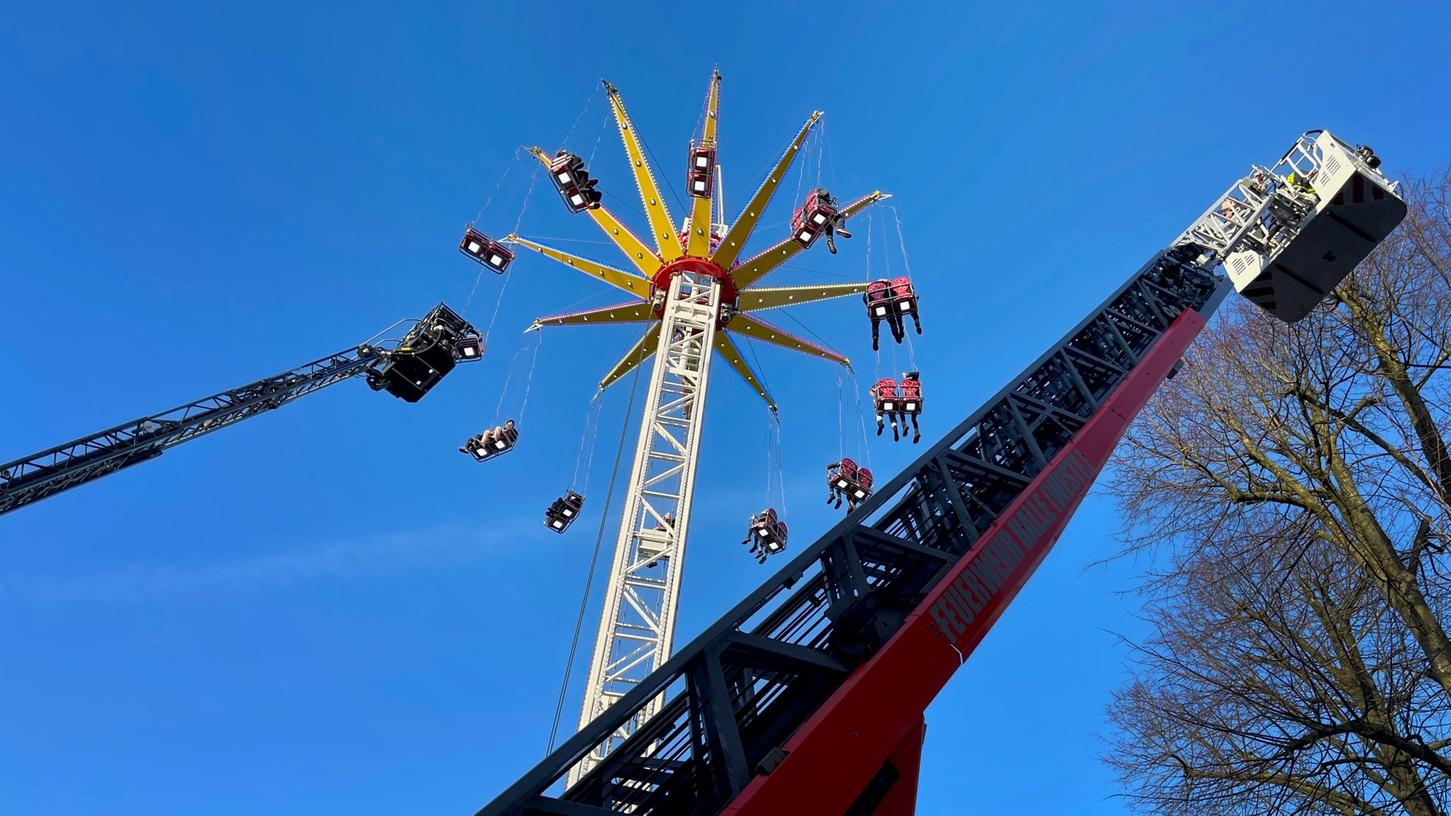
(662,228)
(641,255)
(634,284)
(861,204)
(735,239)
(618,313)
(754,300)
(697,244)
(733,358)
(761,265)
(638,353)
(760,330)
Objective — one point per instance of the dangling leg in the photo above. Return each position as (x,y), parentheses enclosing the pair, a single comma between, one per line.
(893,418)
(916,431)
(916,320)
(876,329)
(899,332)
(879,423)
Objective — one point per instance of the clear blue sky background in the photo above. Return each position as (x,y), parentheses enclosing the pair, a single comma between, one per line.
(328,610)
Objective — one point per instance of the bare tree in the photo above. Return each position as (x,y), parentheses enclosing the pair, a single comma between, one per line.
(1294,486)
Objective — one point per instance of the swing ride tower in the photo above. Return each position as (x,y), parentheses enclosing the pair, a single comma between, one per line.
(694,294)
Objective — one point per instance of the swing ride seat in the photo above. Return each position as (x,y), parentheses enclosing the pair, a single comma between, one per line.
(812,218)
(911,393)
(855,482)
(842,475)
(563,511)
(884,396)
(573,182)
(425,354)
(878,298)
(494,446)
(700,175)
(469,348)
(904,297)
(863,487)
(769,532)
(486,250)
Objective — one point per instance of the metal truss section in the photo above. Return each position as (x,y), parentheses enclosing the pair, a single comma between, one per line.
(42,475)
(638,622)
(725,705)
(74,463)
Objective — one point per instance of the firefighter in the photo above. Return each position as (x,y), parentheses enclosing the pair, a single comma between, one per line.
(1300,183)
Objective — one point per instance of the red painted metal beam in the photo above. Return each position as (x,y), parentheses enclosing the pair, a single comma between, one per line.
(906,759)
(835,753)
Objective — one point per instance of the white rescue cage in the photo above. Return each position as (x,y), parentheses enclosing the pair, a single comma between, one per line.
(1288,234)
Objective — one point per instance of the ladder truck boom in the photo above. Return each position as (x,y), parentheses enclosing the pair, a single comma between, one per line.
(407,368)
(808,696)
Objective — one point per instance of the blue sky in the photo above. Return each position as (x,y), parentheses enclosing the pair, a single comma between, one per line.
(328,609)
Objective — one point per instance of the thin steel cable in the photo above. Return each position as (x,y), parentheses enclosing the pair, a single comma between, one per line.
(807,329)
(837,275)
(820,150)
(508,168)
(594,89)
(499,302)
(780,465)
(657,163)
(529,381)
(907,271)
(586,440)
(760,372)
(861,420)
(801,168)
(593,564)
(508,377)
(901,241)
(478,278)
(604,123)
(765,445)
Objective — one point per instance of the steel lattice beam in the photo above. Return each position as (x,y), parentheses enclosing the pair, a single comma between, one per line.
(638,621)
(45,474)
(727,705)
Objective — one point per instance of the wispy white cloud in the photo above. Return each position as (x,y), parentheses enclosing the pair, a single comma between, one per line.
(322,561)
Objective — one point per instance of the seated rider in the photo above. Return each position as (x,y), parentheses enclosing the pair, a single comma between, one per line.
(878,298)
(884,400)
(864,483)
(912,391)
(760,524)
(902,292)
(836,473)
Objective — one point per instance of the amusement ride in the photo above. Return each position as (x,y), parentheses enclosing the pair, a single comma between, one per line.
(808,696)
